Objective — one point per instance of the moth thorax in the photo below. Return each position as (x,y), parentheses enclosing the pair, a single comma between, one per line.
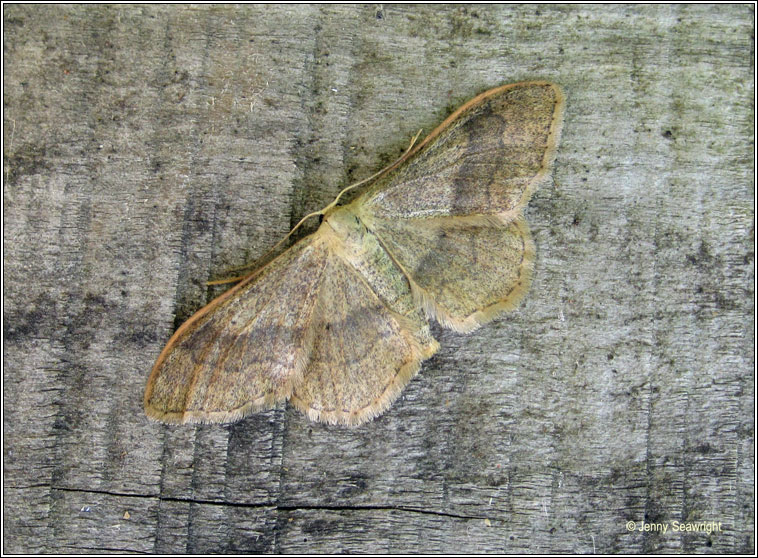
(346,224)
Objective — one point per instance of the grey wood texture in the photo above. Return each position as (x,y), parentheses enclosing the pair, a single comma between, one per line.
(148,149)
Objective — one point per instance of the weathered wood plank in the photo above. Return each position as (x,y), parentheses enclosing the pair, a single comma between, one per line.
(150,148)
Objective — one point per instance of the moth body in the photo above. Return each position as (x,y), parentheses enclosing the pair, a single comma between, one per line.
(354,242)
(338,324)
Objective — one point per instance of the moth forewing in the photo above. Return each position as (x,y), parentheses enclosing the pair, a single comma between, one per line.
(487,158)
(242,352)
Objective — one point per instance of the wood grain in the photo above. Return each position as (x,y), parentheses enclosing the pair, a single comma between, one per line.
(148,149)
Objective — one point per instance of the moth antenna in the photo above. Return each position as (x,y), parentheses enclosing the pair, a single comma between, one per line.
(225,281)
(376,174)
(323,211)
(268,253)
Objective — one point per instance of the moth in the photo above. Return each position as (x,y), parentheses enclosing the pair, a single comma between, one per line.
(339,323)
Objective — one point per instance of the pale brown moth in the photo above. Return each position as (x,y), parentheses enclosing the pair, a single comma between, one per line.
(338,324)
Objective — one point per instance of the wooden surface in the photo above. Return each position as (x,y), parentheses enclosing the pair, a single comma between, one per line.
(148,149)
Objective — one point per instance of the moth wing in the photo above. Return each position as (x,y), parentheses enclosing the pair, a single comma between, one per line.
(464,270)
(451,217)
(246,349)
(363,354)
(487,158)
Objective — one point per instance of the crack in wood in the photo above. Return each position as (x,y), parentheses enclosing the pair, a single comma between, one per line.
(105,549)
(278,507)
